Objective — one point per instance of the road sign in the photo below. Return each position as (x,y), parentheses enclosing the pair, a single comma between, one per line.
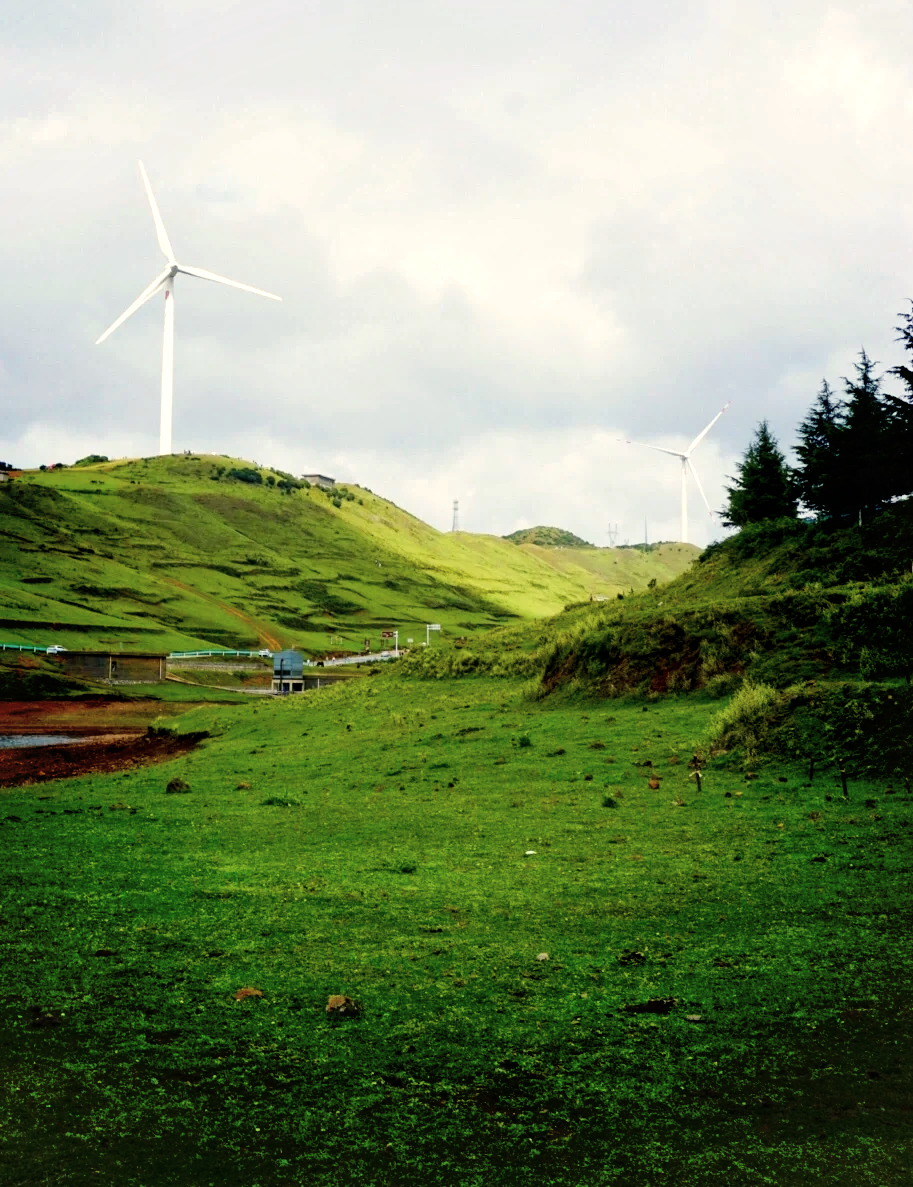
(434,626)
(386,634)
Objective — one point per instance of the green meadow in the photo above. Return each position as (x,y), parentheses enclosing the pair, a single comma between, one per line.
(562,974)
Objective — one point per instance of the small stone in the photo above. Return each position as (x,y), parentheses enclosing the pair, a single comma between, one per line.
(177,787)
(542,956)
(241,994)
(530,853)
(340,1006)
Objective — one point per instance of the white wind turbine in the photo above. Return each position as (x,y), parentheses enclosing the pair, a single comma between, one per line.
(687,465)
(165,280)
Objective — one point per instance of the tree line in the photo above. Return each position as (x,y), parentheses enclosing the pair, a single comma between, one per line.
(855,452)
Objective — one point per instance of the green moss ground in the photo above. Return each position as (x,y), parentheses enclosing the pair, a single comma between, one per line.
(393,869)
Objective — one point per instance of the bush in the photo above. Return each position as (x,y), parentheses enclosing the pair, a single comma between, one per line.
(723,685)
(866,728)
(747,720)
(873,629)
(246,474)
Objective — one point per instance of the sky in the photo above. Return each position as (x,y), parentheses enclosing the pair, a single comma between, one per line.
(507,237)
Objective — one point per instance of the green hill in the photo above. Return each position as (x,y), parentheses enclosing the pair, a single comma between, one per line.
(185,552)
(548,538)
(784,602)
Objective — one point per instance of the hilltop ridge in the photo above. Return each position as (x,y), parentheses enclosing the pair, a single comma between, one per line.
(548,537)
(193,551)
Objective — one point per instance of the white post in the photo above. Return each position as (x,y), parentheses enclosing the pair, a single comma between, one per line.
(167,370)
(396,644)
(427,634)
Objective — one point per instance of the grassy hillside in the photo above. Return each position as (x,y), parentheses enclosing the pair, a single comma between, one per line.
(174,553)
(782,603)
(548,538)
(656,940)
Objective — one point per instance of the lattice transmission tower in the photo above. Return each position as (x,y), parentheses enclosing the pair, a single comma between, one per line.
(456,515)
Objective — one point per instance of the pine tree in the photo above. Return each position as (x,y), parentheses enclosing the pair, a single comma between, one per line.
(900,453)
(764,487)
(864,443)
(817,477)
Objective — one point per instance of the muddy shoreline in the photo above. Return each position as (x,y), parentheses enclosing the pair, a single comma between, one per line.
(106,744)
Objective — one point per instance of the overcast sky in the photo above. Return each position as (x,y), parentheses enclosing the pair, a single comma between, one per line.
(506,235)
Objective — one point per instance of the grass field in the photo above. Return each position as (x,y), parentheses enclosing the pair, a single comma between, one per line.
(725,999)
(173,554)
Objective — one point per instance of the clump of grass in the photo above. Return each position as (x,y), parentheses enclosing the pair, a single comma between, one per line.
(722,685)
(747,720)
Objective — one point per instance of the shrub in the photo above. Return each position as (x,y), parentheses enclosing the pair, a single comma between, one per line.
(723,685)
(747,720)
(246,474)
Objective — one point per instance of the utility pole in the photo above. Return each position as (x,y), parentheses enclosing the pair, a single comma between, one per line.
(456,515)
(646,544)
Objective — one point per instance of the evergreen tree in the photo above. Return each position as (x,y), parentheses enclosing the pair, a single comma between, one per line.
(817,477)
(864,443)
(900,408)
(764,487)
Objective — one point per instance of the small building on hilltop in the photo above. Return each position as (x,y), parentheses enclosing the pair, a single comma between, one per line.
(114,667)
(320,480)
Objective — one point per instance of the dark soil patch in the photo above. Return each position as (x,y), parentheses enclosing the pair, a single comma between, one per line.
(94,756)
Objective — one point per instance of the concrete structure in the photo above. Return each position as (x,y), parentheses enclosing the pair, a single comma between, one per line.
(320,480)
(288,671)
(114,667)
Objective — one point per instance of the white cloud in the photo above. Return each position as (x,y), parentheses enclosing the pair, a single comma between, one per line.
(504,235)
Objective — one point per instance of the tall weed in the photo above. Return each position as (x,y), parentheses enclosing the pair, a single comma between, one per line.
(747,720)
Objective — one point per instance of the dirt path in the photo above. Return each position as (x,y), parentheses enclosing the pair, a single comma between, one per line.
(264,636)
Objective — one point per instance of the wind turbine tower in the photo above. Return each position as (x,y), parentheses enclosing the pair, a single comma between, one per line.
(165,282)
(687,465)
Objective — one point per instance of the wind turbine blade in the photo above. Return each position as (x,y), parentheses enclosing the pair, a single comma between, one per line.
(164,241)
(672,452)
(690,466)
(140,300)
(700,437)
(204,275)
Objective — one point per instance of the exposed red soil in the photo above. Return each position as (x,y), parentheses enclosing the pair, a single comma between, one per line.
(85,715)
(109,742)
(93,756)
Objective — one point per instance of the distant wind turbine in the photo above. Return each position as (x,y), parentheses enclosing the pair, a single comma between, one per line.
(165,280)
(687,465)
